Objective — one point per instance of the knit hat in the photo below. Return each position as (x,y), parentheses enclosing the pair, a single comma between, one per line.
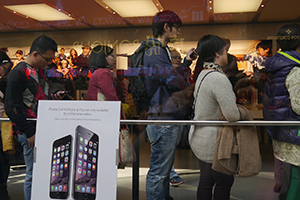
(166,16)
(98,56)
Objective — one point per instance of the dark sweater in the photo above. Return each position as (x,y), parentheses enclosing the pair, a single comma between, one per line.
(25,87)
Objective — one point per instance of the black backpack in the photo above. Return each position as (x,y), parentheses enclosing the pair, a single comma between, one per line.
(138,72)
(140,94)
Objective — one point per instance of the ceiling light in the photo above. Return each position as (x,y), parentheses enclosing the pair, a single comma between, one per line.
(40,12)
(132,8)
(236,6)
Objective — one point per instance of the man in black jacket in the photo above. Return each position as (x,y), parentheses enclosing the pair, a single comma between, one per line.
(26,85)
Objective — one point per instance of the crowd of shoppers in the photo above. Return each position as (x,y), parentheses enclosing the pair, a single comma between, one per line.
(215,77)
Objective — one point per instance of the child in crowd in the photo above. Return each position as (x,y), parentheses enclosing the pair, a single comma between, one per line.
(19,55)
(263,51)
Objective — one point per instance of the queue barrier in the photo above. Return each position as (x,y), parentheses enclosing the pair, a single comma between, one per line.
(135,123)
(196,122)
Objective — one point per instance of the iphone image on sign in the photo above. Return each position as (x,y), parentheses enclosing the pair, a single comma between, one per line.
(85,167)
(60,168)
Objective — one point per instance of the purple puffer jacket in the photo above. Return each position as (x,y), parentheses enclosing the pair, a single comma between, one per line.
(277,105)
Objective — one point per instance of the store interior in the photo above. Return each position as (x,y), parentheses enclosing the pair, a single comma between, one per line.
(123,25)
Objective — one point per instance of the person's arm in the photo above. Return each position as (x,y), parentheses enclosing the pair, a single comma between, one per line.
(161,69)
(14,106)
(184,68)
(292,83)
(225,97)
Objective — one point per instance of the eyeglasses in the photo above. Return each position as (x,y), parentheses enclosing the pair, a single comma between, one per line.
(48,60)
(176,57)
(177,27)
(6,70)
(112,55)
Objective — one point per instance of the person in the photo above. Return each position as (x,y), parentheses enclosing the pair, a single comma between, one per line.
(162,83)
(64,70)
(103,84)
(5,66)
(83,59)
(26,85)
(175,179)
(231,69)
(263,51)
(19,54)
(83,68)
(55,63)
(215,97)
(62,55)
(260,85)
(176,61)
(281,103)
(72,59)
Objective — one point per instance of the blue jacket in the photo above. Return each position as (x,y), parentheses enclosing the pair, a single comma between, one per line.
(277,105)
(162,80)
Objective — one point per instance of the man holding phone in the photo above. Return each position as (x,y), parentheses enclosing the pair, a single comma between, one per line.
(26,85)
(162,83)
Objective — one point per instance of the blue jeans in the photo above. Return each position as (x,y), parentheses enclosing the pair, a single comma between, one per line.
(173,174)
(163,140)
(28,158)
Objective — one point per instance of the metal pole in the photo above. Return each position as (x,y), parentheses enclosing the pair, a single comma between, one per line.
(136,164)
(212,123)
(202,123)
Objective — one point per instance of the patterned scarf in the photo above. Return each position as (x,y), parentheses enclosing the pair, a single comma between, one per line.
(215,66)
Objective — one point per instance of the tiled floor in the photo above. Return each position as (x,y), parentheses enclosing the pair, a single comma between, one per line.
(259,187)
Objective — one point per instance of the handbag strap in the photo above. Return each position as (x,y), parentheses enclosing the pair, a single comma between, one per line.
(194,103)
(123,114)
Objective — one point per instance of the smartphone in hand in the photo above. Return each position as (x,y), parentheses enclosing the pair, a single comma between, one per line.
(194,55)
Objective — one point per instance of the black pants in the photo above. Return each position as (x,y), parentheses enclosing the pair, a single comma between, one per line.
(210,178)
(4,172)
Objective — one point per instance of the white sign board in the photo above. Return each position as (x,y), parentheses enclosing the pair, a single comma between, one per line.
(76,145)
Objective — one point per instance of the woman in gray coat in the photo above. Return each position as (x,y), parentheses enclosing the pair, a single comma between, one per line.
(214,98)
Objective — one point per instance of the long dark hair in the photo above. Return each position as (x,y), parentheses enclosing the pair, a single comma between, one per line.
(208,46)
(98,56)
